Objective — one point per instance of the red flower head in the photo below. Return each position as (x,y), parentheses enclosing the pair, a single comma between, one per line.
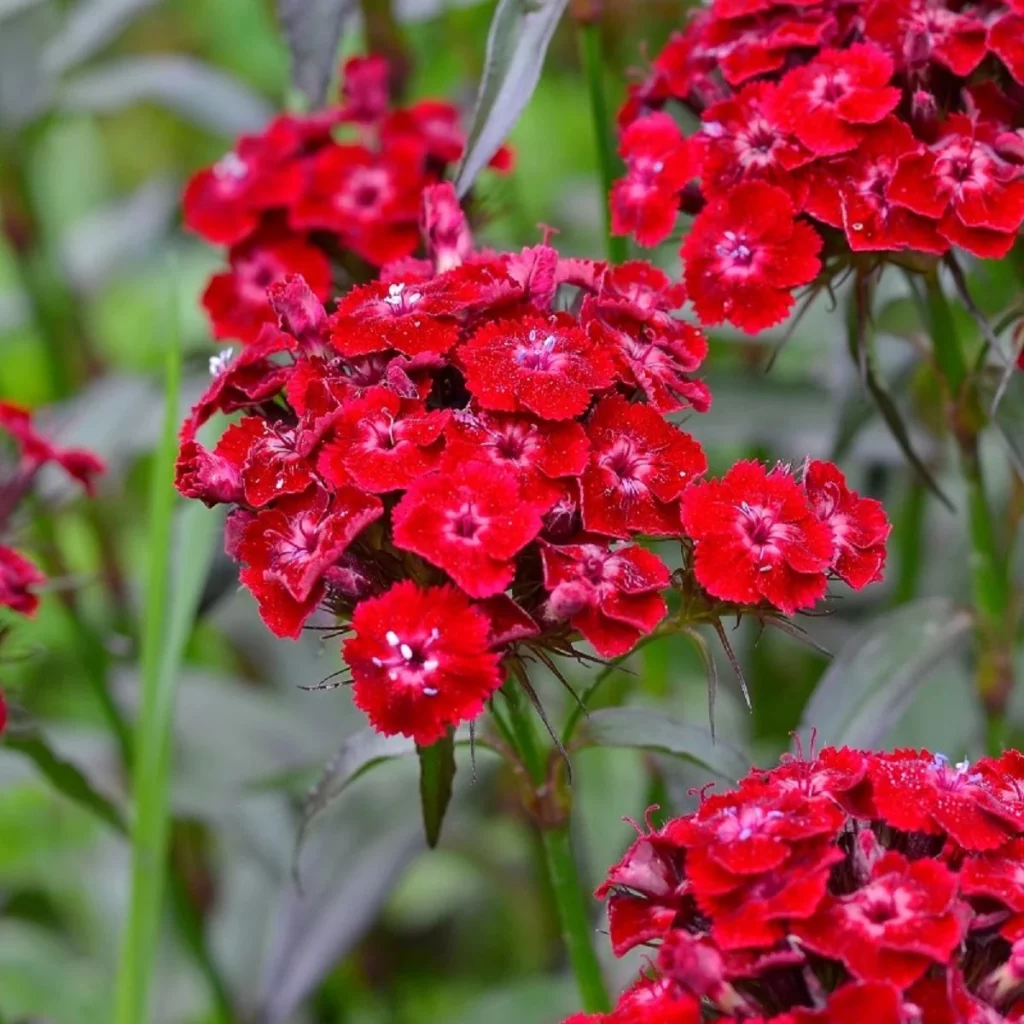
(236,301)
(547,366)
(612,597)
(640,464)
(917,32)
(444,227)
(420,660)
(659,162)
(471,522)
(365,91)
(288,548)
(745,254)
(827,103)
(859,525)
(756,537)
(18,578)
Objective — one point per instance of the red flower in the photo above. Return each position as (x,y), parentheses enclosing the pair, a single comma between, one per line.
(744,255)
(877,1002)
(236,300)
(997,874)
(852,192)
(659,163)
(382,442)
(370,200)
(859,525)
(611,597)
(18,577)
(420,660)
(539,453)
(545,365)
(742,140)
(273,466)
(962,182)
(412,318)
(213,478)
(444,227)
(471,522)
(639,466)
(756,537)
(893,928)
(649,1002)
(365,89)
(288,548)
(223,203)
(1006,41)
(917,32)
(827,103)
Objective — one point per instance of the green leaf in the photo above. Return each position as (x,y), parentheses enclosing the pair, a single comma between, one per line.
(358,754)
(437,770)
(645,729)
(62,775)
(517,42)
(872,680)
(313,29)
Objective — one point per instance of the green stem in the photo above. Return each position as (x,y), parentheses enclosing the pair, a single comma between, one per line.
(589,34)
(909,542)
(559,862)
(990,582)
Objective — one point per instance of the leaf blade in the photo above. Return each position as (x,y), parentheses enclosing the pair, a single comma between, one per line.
(313,29)
(517,42)
(437,773)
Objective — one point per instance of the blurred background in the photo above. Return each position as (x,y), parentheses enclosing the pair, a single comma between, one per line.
(106,107)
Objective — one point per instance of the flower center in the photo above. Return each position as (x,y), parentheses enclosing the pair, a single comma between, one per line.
(760,528)
(735,253)
(400,300)
(629,466)
(410,660)
(829,89)
(230,168)
(539,354)
(465,523)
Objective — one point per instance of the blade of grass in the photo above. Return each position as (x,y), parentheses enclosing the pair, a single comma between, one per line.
(163,640)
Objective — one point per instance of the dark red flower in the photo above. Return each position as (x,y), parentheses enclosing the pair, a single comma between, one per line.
(917,32)
(432,123)
(659,163)
(547,366)
(413,318)
(420,661)
(612,597)
(540,453)
(962,182)
(745,254)
(273,466)
(287,549)
(236,301)
(859,525)
(471,521)
(365,89)
(382,442)
(639,466)
(827,103)
(18,578)
(997,874)
(894,927)
(756,538)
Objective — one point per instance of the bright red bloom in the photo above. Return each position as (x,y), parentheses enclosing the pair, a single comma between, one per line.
(471,521)
(412,318)
(272,464)
(756,537)
(893,927)
(365,89)
(547,366)
(659,162)
(916,32)
(18,578)
(288,548)
(649,1002)
(877,1002)
(1006,41)
(745,254)
(976,196)
(236,301)
(639,466)
(997,874)
(382,442)
(611,597)
(539,453)
(421,661)
(859,525)
(827,103)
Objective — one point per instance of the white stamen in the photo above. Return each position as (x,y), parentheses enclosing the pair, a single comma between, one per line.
(231,165)
(430,665)
(429,691)
(219,363)
(406,651)
(392,638)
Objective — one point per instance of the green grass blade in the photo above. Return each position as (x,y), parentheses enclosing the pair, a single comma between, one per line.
(167,621)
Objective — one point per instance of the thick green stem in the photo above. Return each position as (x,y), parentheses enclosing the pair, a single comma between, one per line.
(552,817)
(589,34)
(990,583)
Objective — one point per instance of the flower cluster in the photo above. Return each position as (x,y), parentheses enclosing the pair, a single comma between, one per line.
(826,128)
(18,576)
(330,196)
(460,458)
(851,887)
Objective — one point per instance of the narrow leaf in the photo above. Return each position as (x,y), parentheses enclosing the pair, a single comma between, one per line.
(89,26)
(62,775)
(517,43)
(437,770)
(645,729)
(864,691)
(312,30)
(358,754)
